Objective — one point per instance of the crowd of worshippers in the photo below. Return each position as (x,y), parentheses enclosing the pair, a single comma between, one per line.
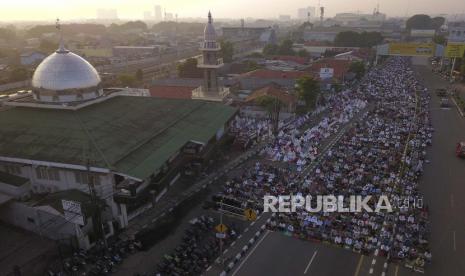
(381,153)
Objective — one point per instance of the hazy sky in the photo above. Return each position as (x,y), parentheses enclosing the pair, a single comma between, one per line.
(72,9)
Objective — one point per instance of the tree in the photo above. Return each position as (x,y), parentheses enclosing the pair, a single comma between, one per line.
(439,39)
(227,51)
(347,39)
(188,69)
(270,49)
(48,46)
(139,75)
(419,21)
(303,53)
(285,48)
(308,90)
(437,22)
(252,65)
(8,34)
(127,80)
(273,106)
(18,74)
(354,39)
(358,68)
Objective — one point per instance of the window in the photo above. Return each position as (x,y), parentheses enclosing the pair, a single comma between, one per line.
(47,173)
(84,178)
(13,169)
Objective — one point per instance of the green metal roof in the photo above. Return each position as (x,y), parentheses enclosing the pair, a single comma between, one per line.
(12,179)
(131,135)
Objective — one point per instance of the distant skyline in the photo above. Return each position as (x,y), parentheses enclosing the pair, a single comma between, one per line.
(134,9)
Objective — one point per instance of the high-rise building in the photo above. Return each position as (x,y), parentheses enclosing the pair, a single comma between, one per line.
(304,13)
(157,13)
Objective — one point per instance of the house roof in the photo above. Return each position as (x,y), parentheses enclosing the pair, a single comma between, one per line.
(54,200)
(340,67)
(171,92)
(272,74)
(192,82)
(12,179)
(272,90)
(130,135)
(299,60)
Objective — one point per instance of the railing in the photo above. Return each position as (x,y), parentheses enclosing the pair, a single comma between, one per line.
(215,64)
(199,93)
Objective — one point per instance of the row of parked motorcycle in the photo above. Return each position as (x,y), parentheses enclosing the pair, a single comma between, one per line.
(100,260)
(198,249)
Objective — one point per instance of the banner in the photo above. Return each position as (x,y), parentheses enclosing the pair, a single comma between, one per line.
(455,50)
(411,49)
(326,73)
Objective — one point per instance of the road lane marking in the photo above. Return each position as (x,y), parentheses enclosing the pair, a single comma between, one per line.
(310,262)
(373,262)
(371,271)
(452,201)
(250,253)
(359,265)
(397,270)
(453,234)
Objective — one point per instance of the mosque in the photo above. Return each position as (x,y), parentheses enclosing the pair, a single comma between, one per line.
(78,160)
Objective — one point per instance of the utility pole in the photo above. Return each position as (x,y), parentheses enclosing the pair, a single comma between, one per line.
(452,69)
(221,240)
(95,203)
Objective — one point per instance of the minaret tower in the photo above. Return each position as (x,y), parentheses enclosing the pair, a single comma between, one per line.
(210,63)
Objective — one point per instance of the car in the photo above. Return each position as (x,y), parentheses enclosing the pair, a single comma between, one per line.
(445,103)
(460,149)
(441,92)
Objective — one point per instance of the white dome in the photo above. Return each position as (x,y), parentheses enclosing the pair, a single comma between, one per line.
(209,32)
(65,70)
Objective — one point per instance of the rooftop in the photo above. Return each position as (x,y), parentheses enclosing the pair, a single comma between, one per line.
(171,92)
(12,179)
(130,135)
(273,90)
(272,74)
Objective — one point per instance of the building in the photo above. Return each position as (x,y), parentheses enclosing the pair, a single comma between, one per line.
(210,63)
(284,17)
(78,160)
(135,51)
(347,18)
(339,68)
(247,38)
(307,13)
(261,77)
(253,107)
(456,32)
(157,13)
(31,58)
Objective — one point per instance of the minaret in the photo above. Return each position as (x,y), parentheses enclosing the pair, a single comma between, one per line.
(210,63)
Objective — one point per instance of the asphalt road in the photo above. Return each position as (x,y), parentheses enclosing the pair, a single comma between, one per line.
(276,254)
(443,187)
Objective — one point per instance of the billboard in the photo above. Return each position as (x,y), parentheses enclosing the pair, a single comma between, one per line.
(326,73)
(422,33)
(411,49)
(73,212)
(455,50)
